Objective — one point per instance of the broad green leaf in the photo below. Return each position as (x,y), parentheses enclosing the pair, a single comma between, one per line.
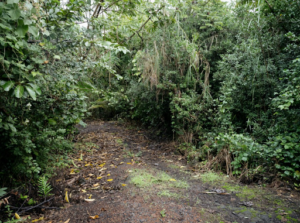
(19,91)
(14,13)
(33,30)
(36,88)
(28,5)
(21,29)
(51,121)
(28,21)
(12,1)
(5,27)
(8,85)
(31,92)
(85,85)
(12,127)
(34,73)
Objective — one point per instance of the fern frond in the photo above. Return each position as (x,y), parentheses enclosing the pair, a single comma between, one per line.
(44,187)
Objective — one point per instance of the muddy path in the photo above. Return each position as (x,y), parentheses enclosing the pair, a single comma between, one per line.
(120,175)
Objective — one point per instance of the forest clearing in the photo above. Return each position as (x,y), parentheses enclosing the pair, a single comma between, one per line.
(149,111)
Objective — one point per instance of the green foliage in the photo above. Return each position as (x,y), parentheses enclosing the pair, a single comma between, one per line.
(44,187)
(217,78)
(2,191)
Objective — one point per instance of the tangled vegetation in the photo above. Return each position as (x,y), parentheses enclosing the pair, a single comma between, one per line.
(222,79)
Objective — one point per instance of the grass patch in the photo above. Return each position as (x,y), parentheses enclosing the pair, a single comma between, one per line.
(144,179)
(211,177)
(167,193)
(173,166)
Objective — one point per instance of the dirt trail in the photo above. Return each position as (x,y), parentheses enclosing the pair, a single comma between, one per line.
(129,178)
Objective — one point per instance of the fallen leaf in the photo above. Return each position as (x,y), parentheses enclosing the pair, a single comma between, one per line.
(96,185)
(102,165)
(94,217)
(90,196)
(129,163)
(182,167)
(39,219)
(172,180)
(67,197)
(90,175)
(58,180)
(123,185)
(83,191)
(98,178)
(110,180)
(67,221)
(88,164)
(108,174)
(121,163)
(89,200)
(17,216)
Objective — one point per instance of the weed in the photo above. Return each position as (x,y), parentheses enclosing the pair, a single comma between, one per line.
(163,213)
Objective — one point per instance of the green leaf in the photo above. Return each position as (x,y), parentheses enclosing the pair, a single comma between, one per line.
(28,5)
(56,57)
(19,91)
(31,92)
(8,85)
(12,127)
(33,30)
(36,88)
(14,13)
(51,121)
(5,27)
(21,29)
(85,85)
(12,1)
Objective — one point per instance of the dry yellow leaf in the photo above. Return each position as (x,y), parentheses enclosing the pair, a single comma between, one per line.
(172,180)
(102,165)
(67,221)
(67,197)
(110,180)
(72,171)
(84,191)
(123,185)
(96,185)
(39,219)
(94,217)
(121,163)
(17,216)
(90,175)
(129,163)
(88,164)
(108,174)
(90,197)
(98,178)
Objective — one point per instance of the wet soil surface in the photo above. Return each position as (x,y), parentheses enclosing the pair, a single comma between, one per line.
(120,175)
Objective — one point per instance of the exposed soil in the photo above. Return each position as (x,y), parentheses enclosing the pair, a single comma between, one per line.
(130,178)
